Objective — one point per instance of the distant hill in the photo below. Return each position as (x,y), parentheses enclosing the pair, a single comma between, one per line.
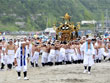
(39,14)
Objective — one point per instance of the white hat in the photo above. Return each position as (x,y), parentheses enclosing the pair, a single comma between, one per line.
(97,38)
(90,38)
(83,36)
(21,43)
(22,39)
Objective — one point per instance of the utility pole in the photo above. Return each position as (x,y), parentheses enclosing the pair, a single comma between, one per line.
(107,18)
(47,23)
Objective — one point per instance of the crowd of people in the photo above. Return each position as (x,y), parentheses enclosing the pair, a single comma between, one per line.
(18,52)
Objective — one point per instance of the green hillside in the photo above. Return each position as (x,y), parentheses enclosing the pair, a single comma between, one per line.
(39,14)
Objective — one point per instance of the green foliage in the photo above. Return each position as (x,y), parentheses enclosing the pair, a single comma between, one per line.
(39,14)
(8,27)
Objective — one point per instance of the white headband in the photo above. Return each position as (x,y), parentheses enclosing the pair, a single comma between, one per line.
(23,42)
(89,39)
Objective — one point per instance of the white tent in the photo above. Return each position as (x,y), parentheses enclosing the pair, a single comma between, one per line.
(50,30)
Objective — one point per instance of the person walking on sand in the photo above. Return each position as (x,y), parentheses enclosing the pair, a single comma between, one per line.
(21,59)
(89,54)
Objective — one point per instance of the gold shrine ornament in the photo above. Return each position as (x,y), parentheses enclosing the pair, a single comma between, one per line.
(64,32)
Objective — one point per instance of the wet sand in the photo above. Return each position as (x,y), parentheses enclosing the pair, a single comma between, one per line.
(60,74)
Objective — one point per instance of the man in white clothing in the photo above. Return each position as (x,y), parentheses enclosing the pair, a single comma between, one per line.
(21,59)
(89,54)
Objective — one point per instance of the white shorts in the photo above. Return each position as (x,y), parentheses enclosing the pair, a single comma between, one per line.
(10,59)
(19,67)
(88,60)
